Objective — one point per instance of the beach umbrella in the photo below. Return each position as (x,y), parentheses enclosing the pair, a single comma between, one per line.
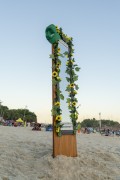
(19,120)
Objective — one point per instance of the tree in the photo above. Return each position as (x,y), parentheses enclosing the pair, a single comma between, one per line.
(95,123)
(14,114)
(90,123)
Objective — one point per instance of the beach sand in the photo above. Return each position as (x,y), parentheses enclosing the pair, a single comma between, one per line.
(27,155)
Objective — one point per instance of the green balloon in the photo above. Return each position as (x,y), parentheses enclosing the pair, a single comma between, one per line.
(51,34)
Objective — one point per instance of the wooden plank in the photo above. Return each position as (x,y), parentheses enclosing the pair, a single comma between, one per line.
(65,145)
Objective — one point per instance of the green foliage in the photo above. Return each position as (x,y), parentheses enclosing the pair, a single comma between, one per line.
(52,56)
(75,78)
(76,87)
(77,68)
(71,69)
(95,123)
(68,79)
(110,123)
(61,97)
(14,114)
(90,123)
(65,53)
(54,81)
(78,126)
(56,111)
(68,100)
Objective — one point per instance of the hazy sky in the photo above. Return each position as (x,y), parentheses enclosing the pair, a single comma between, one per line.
(25,67)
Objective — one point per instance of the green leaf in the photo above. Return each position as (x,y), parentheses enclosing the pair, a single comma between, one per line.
(61,97)
(65,53)
(75,78)
(69,107)
(68,89)
(73,73)
(58,61)
(68,71)
(72,50)
(54,82)
(61,55)
(53,66)
(52,56)
(68,100)
(60,134)
(73,109)
(76,87)
(72,116)
(57,124)
(68,79)
(77,68)
(75,99)
(75,65)
(54,112)
(61,125)
(58,92)
(74,131)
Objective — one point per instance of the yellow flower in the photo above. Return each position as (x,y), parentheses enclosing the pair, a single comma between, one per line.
(74,92)
(57,69)
(69,38)
(58,30)
(54,74)
(58,49)
(58,118)
(72,85)
(71,61)
(58,78)
(67,63)
(58,65)
(76,116)
(69,104)
(57,103)
(74,103)
(58,130)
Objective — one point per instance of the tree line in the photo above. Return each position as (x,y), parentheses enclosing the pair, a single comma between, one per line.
(96,123)
(14,114)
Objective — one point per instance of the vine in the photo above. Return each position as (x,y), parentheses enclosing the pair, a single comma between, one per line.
(56,110)
(72,77)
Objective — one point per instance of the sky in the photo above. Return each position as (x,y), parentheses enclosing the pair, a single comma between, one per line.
(25,66)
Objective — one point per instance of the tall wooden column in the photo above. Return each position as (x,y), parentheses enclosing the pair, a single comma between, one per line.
(66,144)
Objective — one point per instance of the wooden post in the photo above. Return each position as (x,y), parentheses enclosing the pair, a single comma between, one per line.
(66,144)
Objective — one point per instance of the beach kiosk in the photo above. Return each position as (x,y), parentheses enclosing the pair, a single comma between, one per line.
(64,90)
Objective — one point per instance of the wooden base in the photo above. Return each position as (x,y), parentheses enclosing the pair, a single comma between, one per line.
(65,145)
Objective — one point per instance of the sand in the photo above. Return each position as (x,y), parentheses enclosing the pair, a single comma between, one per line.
(26,155)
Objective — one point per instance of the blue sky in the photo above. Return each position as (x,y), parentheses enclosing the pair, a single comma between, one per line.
(25,67)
